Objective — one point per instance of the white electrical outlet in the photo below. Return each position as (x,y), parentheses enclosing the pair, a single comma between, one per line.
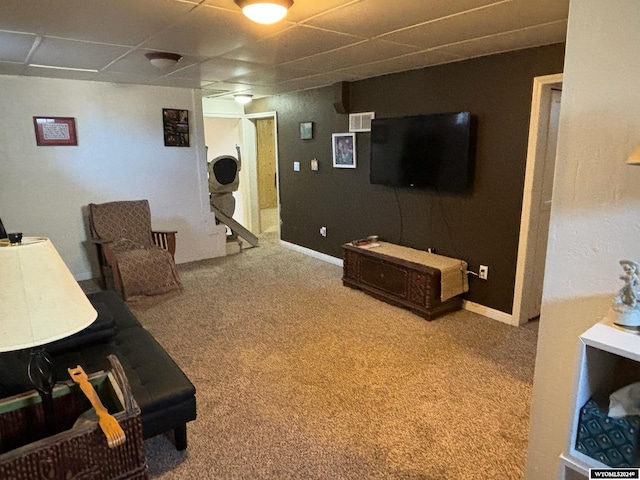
(323,231)
(296,166)
(483,273)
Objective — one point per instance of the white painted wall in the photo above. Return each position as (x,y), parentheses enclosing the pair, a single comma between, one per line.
(120,155)
(595,217)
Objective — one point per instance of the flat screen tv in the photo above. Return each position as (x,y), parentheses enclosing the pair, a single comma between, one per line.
(433,151)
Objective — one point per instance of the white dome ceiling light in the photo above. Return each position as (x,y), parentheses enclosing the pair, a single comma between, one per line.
(243,98)
(265,11)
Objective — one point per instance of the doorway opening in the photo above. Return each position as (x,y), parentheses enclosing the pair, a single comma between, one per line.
(537,197)
(267,174)
(260,166)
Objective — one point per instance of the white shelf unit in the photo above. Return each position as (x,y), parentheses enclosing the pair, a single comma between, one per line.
(608,359)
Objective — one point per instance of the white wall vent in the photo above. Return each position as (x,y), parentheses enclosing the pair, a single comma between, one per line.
(361,122)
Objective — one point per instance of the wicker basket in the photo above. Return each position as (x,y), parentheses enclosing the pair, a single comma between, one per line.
(79,452)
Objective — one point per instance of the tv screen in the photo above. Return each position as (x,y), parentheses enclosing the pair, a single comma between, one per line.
(433,151)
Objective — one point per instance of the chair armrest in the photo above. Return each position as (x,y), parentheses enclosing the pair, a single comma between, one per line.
(97,241)
(108,258)
(165,239)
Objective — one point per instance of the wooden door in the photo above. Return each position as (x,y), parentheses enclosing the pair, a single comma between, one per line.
(266,159)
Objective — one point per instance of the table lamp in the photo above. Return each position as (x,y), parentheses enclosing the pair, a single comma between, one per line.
(40,302)
(634,158)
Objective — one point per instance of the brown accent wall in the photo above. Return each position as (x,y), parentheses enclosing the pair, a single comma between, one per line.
(481,227)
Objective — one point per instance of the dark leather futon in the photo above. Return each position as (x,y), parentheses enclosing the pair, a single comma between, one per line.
(165,395)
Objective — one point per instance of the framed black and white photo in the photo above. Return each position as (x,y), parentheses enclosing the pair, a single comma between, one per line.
(176,127)
(344,150)
(306,130)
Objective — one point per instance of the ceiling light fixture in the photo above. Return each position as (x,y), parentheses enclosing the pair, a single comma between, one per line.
(163,60)
(243,97)
(265,11)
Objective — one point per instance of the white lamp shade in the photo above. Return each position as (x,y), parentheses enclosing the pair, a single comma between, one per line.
(40,301)
(634,158)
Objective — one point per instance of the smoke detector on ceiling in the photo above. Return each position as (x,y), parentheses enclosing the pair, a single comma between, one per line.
(163,60)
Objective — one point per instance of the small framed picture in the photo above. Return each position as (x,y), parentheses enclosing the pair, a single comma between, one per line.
(55,131)
(306,130)
(176,127)
(344,150)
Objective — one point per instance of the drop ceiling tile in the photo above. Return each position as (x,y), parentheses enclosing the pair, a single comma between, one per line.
(364,52)
(210,32)
(228,89)
(502,17)
(312,42)
(264,91)
(402,64)
(291,44)
(304,9)
(69,53)
(130,78)
(8,68)
(212,93)
(33,71)
(14,47)
(171,81)
(228,86)
(271,75)
(315,81)
(219,69)
(365,18)
(190,72)
(554,32)
(118,22)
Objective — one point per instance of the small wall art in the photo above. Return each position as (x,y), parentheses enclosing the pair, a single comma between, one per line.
(344,150)
(176,127)
(55,131)
(306,130)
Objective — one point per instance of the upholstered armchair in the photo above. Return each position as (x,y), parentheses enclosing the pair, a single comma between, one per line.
(134,259)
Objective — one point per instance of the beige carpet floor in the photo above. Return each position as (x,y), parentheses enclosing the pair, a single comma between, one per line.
(298,377)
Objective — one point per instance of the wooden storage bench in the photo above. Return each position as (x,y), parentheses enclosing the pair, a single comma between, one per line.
(429,285)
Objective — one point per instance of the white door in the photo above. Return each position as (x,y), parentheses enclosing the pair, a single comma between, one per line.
(544,205)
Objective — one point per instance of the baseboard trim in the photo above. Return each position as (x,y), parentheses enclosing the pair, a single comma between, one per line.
(491,313)
(467,305)
(312,253)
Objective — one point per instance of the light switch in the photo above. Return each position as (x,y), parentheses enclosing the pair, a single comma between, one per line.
(314,165)
(296,166)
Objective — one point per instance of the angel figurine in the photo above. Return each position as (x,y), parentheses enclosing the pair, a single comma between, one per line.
(628,294)
(625,310)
